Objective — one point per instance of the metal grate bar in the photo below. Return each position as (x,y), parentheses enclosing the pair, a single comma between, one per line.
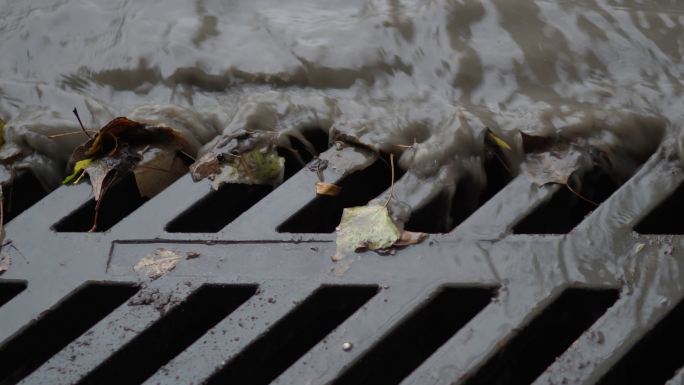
(85,353)
(678,378)
(481,338)
(203,358)
(327,360)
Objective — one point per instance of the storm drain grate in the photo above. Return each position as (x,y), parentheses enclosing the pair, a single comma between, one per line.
(526,285)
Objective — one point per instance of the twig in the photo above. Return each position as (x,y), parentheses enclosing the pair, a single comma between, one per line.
(81,123)
(580,195)
(391,194)
(67,133)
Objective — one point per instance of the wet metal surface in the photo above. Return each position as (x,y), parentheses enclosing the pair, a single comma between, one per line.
(527,273)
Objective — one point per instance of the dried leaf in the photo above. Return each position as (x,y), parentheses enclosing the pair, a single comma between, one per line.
(5,263)
(323,188)
(158,168)
(192,255)
(157,263)
(410,238)
(262,166)
(365,227)
(205,166)
(497,140)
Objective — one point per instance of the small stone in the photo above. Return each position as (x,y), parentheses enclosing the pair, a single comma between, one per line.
(347,346)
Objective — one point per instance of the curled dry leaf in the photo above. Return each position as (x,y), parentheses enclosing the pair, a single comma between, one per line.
(158,168)
(330,189)
(157,263)
(410,238)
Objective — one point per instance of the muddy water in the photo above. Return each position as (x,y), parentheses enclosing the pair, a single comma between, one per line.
(386,72)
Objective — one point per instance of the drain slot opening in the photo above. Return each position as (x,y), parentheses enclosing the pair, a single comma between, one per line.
(655,358)
(536,347)
(10,289)
(72,317)
(324,213)
(411,343)
(24,192)
(219,208)
(664,219)
(292,336)
(170,335)
(565,209)
(121,200)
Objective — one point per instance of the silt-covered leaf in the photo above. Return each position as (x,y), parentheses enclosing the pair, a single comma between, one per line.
(368,227)
(261,166)
(157,263)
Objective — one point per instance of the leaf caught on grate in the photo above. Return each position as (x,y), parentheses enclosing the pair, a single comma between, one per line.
(157,263)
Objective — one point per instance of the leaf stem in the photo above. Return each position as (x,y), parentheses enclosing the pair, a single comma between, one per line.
(81,123)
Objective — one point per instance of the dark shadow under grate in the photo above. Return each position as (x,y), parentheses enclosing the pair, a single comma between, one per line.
(170,335)
(23,193)
(566,209)
(293,335)
(121,200)
(666,218)
(72,317)
(655,358)
(397,354)
(323,213)
(10,289)
(526,356)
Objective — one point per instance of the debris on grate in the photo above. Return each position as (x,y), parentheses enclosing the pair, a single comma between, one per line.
(408,345)
(220,207)
(292,336)
(57,327)
(323,213)
(536,347)
(567,208)
(656,357)
(10,289)
(666,217)
(170,335)
(121,200)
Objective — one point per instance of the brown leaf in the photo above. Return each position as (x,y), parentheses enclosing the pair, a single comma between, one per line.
(205,166)
(5,263)
(410,238)
(323,188)
(192,255)
(158,168)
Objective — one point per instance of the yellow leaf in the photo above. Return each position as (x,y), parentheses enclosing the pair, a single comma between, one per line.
(78,169)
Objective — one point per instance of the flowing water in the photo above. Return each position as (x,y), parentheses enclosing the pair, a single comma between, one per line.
(433,73)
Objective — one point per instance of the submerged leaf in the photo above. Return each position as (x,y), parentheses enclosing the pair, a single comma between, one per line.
(157,263)
(555,166)
(366,227)
(262,166)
